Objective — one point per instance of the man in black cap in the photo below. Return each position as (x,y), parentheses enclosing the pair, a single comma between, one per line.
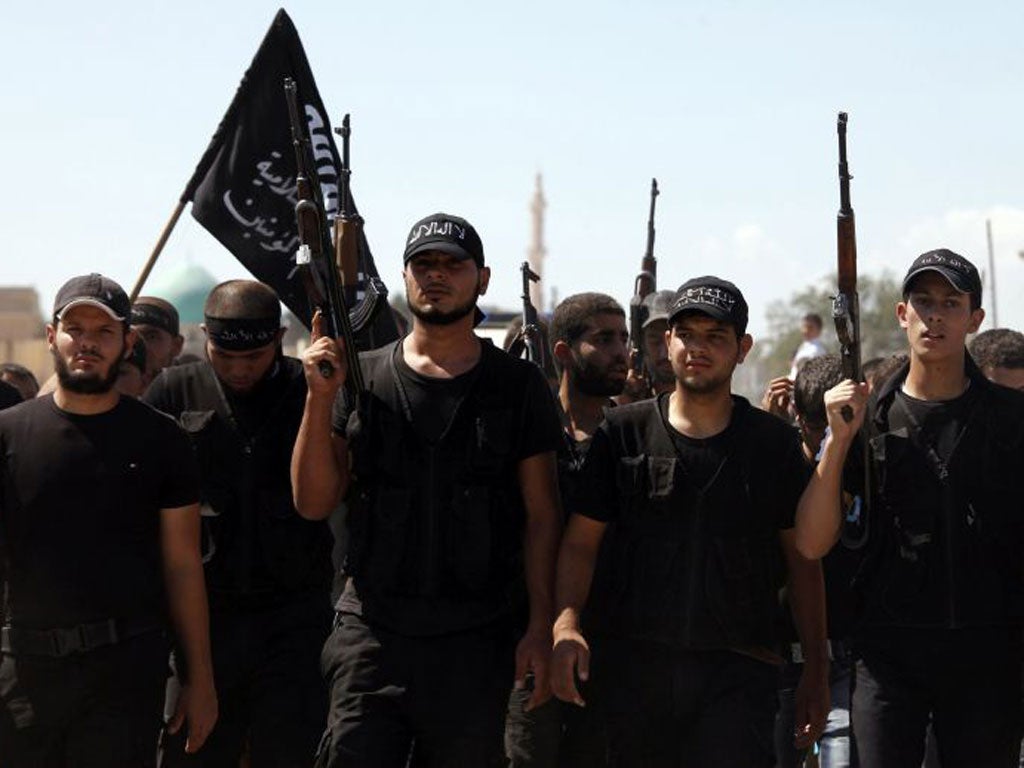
(658,376)
(942,582)
(701,488)
(447,461)
(944,599)
(268,570)
(99,530)
(155,320)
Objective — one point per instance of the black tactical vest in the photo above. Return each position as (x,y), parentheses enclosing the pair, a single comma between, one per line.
(436,529)
(699,568)
(254,541)
(946,547)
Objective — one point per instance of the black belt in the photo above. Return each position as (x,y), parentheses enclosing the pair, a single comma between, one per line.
(66,641)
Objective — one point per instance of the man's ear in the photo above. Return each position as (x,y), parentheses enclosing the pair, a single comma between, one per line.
(177,345)
(51,335)
(977,317)
(485,279)
(901,314)
(562,353)
(746,344)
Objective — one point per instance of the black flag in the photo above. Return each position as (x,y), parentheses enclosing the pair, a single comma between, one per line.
(243,190)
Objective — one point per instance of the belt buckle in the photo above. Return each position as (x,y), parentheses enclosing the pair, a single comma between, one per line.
(68,641)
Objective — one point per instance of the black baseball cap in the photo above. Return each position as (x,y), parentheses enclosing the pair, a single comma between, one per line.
(960,273)
(711,296)
(448,234)
(94,290)
(658,305)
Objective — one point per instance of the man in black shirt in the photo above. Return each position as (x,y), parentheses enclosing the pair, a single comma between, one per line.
(99,527)
(943,594)
(589,338)
(9,395)
(447,461)
(701,488)
(268,570)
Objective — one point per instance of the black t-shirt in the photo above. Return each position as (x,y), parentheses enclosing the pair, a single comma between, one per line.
(935,423)
(776,458)
(537,432)
(80,505)
(9,395)
(700,458)
(431,400)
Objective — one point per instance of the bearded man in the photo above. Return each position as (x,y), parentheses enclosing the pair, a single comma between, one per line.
(702,490)
(99,536)
(447,463)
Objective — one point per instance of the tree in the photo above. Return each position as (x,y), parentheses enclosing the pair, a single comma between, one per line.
(881,334)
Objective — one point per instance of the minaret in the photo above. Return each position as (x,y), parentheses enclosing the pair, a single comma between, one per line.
(537,250)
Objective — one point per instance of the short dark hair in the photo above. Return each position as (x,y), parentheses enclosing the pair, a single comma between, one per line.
(22,375)
(572,316)
(816,376)
(242,300)
(998,348)
(814,318)
(877,370)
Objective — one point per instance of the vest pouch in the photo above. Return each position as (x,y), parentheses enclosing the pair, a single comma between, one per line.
(629,477)
(740,587)
(385,562)
(209,444)
(468,546)
(910,571)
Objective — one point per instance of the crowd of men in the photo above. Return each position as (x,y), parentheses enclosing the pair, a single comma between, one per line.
(636,568)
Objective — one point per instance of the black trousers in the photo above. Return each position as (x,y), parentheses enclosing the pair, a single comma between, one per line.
(101,708)
(674,708)
(967,681)
(426,702)
(556,734)
(271,696)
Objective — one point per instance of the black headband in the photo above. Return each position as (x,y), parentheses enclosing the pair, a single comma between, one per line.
(150,314)
(236,334)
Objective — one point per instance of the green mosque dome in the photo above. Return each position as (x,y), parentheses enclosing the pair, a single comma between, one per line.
(186,286)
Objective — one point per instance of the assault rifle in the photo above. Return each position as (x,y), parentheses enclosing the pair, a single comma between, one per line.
(530,337)
(646,282)
(319,271)
(846,304)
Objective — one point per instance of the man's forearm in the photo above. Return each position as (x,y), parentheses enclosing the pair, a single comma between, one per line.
(573,578)
(807,604)
(318,480)
(819,514)
(541,550)
(186,597)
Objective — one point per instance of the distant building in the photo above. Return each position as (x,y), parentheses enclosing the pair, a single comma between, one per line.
(23,331)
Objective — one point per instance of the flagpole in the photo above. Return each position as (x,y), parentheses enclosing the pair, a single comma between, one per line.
(160,243)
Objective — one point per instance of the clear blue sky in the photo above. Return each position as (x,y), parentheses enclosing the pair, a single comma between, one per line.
(106,107)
